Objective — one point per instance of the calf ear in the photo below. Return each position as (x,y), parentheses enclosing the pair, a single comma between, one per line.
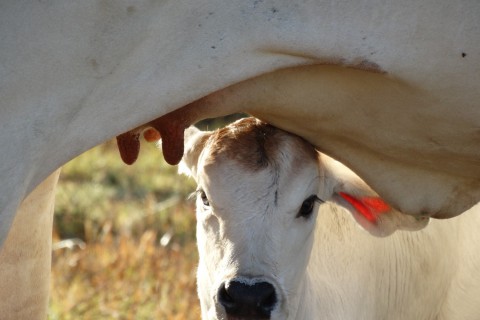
(367,207)
(194,143)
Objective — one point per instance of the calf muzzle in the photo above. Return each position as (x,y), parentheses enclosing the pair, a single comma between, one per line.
(245,300)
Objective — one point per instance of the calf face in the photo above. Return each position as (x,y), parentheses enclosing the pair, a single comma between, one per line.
(256,207)
(257,198)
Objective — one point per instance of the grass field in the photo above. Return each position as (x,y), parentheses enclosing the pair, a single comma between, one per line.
(128,249)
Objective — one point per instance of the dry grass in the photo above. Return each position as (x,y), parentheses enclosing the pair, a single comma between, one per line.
(139,257)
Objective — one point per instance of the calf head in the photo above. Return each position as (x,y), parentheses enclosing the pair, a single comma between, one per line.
(257,197)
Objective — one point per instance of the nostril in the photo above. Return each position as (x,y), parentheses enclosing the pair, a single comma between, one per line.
(270,300)
(247,300)
(224,298)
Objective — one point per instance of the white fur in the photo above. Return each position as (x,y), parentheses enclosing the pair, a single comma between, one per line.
(75,73)
(326,267)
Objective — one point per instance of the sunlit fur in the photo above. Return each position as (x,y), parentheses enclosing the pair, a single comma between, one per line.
(324,267)
(26,257)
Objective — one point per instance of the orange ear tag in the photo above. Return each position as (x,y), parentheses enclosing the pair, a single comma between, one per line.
(369,207)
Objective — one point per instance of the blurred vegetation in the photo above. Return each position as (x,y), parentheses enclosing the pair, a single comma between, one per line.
(124,238)
(128,249)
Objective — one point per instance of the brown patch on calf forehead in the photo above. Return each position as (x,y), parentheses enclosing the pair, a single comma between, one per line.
(256,145)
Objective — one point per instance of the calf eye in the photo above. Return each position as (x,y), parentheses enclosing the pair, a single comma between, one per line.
(307,206)
(204,198)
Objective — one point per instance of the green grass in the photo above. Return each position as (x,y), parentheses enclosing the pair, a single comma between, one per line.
(124,215)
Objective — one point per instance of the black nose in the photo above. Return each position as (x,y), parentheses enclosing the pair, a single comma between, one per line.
(244,300)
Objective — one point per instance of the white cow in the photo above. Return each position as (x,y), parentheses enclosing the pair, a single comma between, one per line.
(390,88)
(266,253)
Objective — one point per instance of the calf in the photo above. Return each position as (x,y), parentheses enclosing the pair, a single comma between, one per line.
(279,238)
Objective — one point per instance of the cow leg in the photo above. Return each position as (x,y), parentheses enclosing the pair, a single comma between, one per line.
(25,258)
